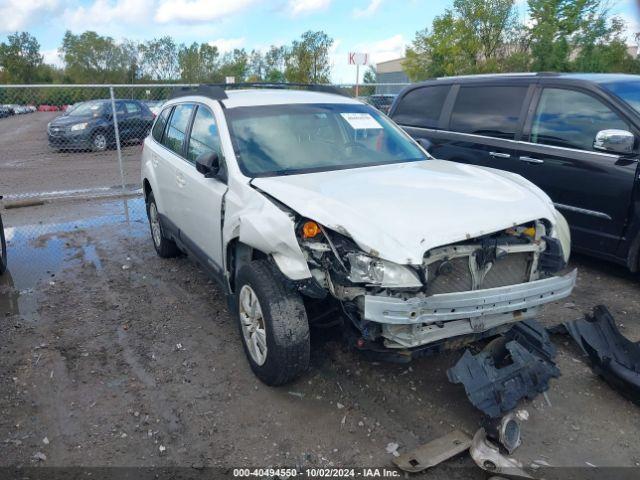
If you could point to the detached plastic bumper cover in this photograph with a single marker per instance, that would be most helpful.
(471, 304)
(518, 365)
(612, 356)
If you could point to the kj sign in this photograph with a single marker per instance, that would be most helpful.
(358, 58)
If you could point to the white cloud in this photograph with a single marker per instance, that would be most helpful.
(297, 7)
(383, 50)
(107, 12)
(193, 11)
(227, 44)
(52, 57)
(372, 8)
(19, 14)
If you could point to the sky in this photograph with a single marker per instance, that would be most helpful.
(381, 28)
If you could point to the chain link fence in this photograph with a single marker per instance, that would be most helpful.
(64, 145)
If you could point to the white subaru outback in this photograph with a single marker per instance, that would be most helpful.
(315, 208)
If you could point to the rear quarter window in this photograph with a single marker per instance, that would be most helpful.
(493, 111)
(421, 107)
(158, 127)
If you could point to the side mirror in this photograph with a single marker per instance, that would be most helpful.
(208, 164)
(424, 143)
(614, 141)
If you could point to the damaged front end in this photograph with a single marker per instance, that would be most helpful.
(461, 292)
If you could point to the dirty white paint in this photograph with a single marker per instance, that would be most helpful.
(400, 211)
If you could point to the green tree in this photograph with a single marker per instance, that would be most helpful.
(198, 62)
(20, 59)
(582, 35)
(308, 58)
(160, 59)
(234, 64)
(91, 58)
(472, 37)
(370, 76)
(275, 64)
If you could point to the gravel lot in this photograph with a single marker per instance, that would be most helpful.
(28, 165)
(113, 354)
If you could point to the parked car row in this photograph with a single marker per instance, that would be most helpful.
(90, 125)
(576, 136)
(14, 109)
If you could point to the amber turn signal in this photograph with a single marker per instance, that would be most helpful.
(310, 229)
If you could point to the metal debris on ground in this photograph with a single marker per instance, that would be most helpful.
(435, 452)
(516, 365)
(505, 431)
(488, 457)
(613, 356)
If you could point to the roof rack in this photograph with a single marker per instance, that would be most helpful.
(499, 75)
(216, 91)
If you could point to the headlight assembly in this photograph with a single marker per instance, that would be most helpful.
(375, 271)
(79, 126)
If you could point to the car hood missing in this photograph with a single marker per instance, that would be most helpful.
(398, 212)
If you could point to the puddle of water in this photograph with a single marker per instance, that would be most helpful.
(38, 251)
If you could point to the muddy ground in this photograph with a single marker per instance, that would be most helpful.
(119, 358)
(30, 166)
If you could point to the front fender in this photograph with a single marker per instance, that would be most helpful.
(260, 224)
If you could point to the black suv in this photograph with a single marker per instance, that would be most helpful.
(573, 135)
(90, 126)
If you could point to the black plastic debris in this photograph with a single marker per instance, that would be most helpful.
(613, 356)
(516, 365)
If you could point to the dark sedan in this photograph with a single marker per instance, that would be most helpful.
(90, 125)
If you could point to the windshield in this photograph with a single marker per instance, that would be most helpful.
(289, 139)
(629, 92)
(86, 109)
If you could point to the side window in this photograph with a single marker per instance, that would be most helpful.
(204, 135)
(120, 109)
(421, 107)
(158, 128)
(566, 118)
(488, 110)
(175, 135)
(132, 107)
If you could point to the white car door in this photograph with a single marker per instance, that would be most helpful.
(169, 160)
(200, 199)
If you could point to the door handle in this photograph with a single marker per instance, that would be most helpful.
(154, 160)
(180, 180)
(499, 155)
(531, 160)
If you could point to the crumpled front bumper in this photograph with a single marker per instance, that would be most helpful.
(467, 305)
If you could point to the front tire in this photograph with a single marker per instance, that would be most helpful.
(165, 248)
(273, 324)
(99, 142)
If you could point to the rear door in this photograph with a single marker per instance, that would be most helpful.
(199, 199)
(171, 159)
(592, 188)
(136, 128)
(484, 122)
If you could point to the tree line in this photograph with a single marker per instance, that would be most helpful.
(474, 36)
(91, 58)
(488, 36)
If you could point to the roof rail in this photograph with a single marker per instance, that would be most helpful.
(216, 91)
(499, 75)
(314, 87)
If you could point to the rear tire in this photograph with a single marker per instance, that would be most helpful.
(165, 248)
(280, 329)
(3, 250)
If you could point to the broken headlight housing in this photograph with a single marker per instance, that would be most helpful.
(375, 271)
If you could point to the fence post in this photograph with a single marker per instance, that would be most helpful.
(117, 132)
